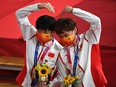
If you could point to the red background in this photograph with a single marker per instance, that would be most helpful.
(11, 43)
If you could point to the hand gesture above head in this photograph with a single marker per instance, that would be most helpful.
(46, 6)
(67, 9)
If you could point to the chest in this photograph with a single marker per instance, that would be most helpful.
(69, 55)
(41, 54)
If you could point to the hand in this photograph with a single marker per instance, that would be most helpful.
(67, 9)
(46, 6)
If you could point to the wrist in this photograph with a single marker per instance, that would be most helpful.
(39, 6)
(71, 10)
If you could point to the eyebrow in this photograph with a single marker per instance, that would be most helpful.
(64, 35)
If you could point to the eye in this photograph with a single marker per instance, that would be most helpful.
(45, 32)
(65, 35)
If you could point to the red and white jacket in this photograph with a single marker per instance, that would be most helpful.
(89, 67)
(28, 32)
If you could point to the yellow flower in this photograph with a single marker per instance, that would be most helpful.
(43, 71)
(66, 82)
(77, 77)
(65, 78)
(37, 67)
(71, 79)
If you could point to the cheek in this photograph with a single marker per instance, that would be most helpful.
(69, 39)
(74, 34)
(47, 36)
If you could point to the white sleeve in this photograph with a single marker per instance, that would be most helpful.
(94, 32)
(22, 17)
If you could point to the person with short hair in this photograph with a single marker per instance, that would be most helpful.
(80, 56)
(41, 47)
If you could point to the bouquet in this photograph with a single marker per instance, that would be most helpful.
(68, 80)
(42, 72)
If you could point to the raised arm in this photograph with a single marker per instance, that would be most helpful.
(93, 34)
(22, 17)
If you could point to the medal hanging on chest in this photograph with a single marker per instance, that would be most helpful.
(72, 79)
(40, 72)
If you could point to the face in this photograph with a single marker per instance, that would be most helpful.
(44, 36)
(68, 37)
(68, 33)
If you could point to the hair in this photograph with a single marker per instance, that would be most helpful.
(45, 22)
(64, 24)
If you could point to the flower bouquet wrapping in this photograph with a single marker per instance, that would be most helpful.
(71, 80)
(42, 73)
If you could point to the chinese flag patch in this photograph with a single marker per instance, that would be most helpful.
(51, 55)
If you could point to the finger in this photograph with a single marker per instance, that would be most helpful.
(49, 7)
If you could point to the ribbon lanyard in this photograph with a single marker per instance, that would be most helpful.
(75, 61)
(36, 58)
(36, 54)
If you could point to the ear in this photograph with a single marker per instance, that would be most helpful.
(75, 30)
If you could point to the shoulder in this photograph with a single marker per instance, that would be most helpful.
(57, 45)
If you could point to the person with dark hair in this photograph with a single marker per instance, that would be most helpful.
(79, 63)
(41, 47)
